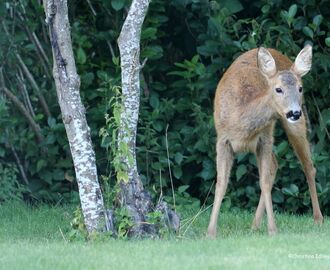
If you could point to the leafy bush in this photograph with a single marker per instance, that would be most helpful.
(189, 44)
(10, 188)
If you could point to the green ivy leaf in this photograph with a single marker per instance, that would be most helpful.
(122, 176)
(178, 158)
(183, 188)
(277, 196)
(292, 11)
(327, 41)
(149, 33)
(317, 20)
(291, 190)
(177, 171)
(154, 101)
(115, 61)
(208, 171)
(81, 56)
(58, 175)
(325, 118)
(51, 122)
(265, 9)
(117, 4)
(282, 148)
(233, 6)
(41, 164)
(308, 32)
(152, 52)
(158, 125)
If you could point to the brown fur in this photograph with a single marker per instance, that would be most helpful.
(245, 112)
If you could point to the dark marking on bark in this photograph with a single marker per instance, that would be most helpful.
(98, 195)
(67, 118)
(61, 63)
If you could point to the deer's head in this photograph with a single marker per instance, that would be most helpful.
(286, 85)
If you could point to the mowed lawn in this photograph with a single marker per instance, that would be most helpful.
(37, 238)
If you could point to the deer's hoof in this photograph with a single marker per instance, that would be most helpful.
(272, 231)
(318, 219)
(211, 234)
(255, 226)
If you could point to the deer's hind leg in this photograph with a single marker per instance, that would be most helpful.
(225, 158)
(267, 171)
(261, 205)
(297, 137)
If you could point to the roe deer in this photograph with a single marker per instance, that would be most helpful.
(260, 87)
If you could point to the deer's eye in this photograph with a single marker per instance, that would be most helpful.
(279, 90)
(300, 89)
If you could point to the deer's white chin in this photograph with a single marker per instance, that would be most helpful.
(292, 120)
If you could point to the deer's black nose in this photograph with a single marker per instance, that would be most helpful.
(297, 114)
(293, 115)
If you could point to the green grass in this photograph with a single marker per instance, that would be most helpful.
(36, 238)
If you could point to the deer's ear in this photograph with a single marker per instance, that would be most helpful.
(303, 62)
(266, 62)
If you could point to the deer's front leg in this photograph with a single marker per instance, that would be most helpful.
(297, 136)
(225, 157)
(267, 168)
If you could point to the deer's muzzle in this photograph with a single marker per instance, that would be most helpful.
(293, 115)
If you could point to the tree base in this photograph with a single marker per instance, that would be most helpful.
(139, 209)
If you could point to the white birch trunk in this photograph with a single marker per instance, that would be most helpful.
(132, 194)
(129, 46)
(73, 113)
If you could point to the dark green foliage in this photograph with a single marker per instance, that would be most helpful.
(189, 44)
(10, 188)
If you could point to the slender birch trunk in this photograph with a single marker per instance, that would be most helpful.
(132, 194)
(73, 114)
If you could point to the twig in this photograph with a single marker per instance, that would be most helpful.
(91, 7)
(169, 166)
(161, 186)
(19, 164)
(31, 79)
(44, 64)
(195, 217)
(35, 127)
(200, 211)
(29, 76)
(34, 39)
(111, 49)
(22, 6)
(62, 234)
(143, 63)
(25, 93)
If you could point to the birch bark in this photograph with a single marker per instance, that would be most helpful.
(132, 194)
(67, 84)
